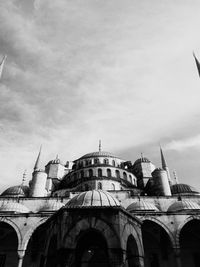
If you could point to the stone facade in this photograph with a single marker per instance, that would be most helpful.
(100, 211)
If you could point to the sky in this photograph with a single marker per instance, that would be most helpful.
(117, 70)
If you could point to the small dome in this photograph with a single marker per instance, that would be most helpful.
(13, 207)
(183, 205)
(98, 154)
(141, 160)
(52, 206)
(16, 191)
(55, 161)
(93, 198)
(141, 205)
(183, 189)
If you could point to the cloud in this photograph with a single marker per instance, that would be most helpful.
(184, 144)
(120, 71)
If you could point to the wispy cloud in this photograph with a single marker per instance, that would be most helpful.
(184, 144)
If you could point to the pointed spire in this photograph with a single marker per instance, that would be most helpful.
(99, 145)
(2, 64)
(164, 164)
(37, 163)
(163, 161)
(197, 63)
(142, 156)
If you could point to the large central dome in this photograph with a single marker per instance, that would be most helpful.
(98, 154)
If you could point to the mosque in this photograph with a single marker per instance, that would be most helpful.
(100, 210)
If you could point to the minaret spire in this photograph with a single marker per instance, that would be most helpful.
(197, 63)
(164, 164)
(38, 160)
(2, 64)
(99, 145)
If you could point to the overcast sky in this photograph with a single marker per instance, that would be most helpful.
(116, 70)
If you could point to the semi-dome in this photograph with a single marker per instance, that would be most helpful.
(183, 205)
(141, 205)
(183, 189)
(141, 160)
(16, 191)
(14, 207)
(52, 206)
(93, 198)
(98, 154)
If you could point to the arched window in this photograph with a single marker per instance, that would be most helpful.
(124, 175)
(130, 178)
(108, 172)
(117, 174)
(113, 162)
(132, 253)
(113, 186)
(99, 186)
(99, 172)
(90, 172)
(82, 174)
(106, 161)
(96, 161)
(86, 163)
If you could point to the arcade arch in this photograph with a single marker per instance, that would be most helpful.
(158, 249)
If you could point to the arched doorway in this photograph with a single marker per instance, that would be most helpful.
(91, 250)
(35, 250)
(157, 246)
(190, 244)
(8, 245)
(132, 255)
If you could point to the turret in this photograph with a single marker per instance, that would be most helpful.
(160, 183)
(39, 179)
(142, 169)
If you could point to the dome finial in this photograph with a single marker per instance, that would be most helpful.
(37, 163)
(99, 145)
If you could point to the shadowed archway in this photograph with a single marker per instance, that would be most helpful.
(157, 246)
(91, 250)
(132, 254)
(8, 245)
(190, 244)
(35, 250)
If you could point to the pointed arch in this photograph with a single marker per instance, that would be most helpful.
(15, 227)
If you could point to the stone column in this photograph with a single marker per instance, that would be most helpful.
(21, 254)
(177, 254)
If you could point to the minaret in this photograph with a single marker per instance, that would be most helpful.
(2, 65)
(164, 164)
(38, 160)
(39, 179)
